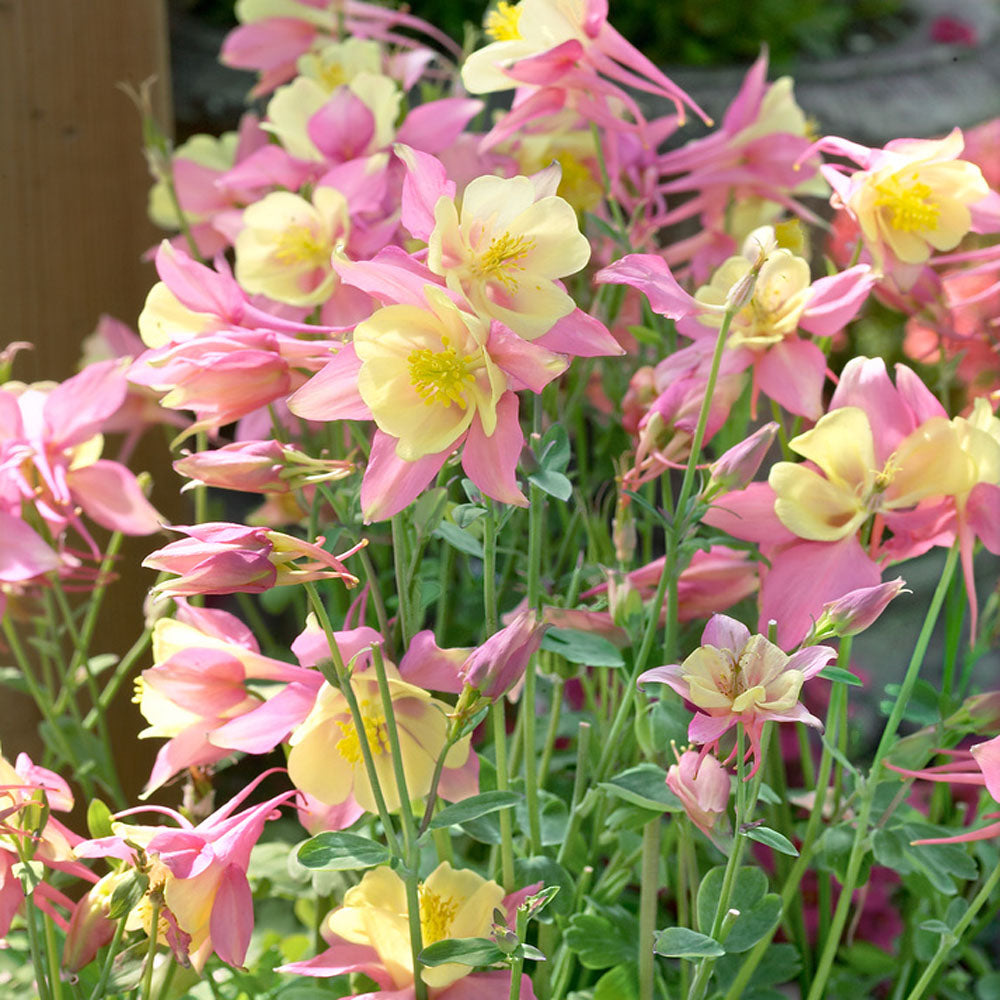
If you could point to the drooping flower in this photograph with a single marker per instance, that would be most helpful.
(702, 784)
(498, 665)
(369, 933)
(222, 558)
(198, 871)
(734, 677)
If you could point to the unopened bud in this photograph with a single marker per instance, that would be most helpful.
(856, 610)
(736, 468)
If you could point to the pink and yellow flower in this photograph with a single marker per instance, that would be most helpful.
(734, 677)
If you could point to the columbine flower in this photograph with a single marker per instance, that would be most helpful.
(326, 760)
(200, 872)
(285, 246)
(736, 677)
(370, 932)
(911, 198)
(221, 558)
(504, 250)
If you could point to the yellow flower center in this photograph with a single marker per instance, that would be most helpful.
(137, 688)
(349, 746)
(441, 376)
(504, 254)
(299, 244)
(436, 915)
(502, 22)
(332, 75)
(909, 201)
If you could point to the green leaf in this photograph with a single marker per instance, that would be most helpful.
(127, 894)
(98, 819)
(473, 808)
(644, 785)
(429, 509)
(459, 539)
(337, 851)
(582, 647)
(467, 951)
(603, 939)
(751, 925)
(840, 675)
(465, 513)
(988, 987)
(780, 964)
(776, 841)
(485, 829)
(553, 450)
(553, 817)
(619, 983)
(749, 888)
(529, 951)
(553, 483)
(646, 335)
(553, 876)
(682, 942)
(935, 927)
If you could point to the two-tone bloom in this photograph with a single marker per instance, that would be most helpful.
(734, 677)
(369, 933)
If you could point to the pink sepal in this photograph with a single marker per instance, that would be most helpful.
(425, 182)
(392, 276)
(24, 553)
(429, 666)
(651, 275)
(491, 462)
(231, 923)
(724, 632)
(581, 335)
(435, 126)
(390, 483)
(332, 393)
(835, 301)
(529, 365)
(792, 373)
(110, 494)
(749, 514)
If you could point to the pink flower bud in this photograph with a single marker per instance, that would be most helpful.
(857, 609)
(90, 927)
(499, 664)
(222, 558)
(735, 468)
(702, 784)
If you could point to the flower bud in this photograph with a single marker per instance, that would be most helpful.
(702, 784)
(499, 664)
(736, 468)
(857, 609)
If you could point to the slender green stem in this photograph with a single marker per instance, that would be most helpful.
(949, 942)
(579, 787)
(403, 583)
(498, 716)
(375, 592)
(99, 990)
(338, 677)
(118, 677)
(147, 972)
(168, 977)
(858, 848)
(411, 871)
(517, 965)
(52, 952)
(649, 888)
(555, 715)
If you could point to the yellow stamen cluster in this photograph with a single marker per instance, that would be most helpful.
(349, 746)
(436, 915)
(502, 22)
(504, 254)
(910, 203)
(440, 376)
(299, 243)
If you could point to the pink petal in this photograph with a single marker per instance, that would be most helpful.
(434, 126)
(23, 554)
(343, 127)
(332, 393)
(429, 666)
(425, 182)
(110, 494)
(982, 513)
(749, 514)
(75, 410)
(231, 923)
(390, 483)
(392, 276)
(705, 729)
(531, 366)
(261, 730)
(835, 301)
(724, 632)
(987, 756)
(651, 275)
(746, 104)
(582, 336)
(806, 575)
(491, 462)
(792, 373)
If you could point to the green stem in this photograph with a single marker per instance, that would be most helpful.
(340, 678)
(147, 972)
(950, 941)
(858, 848)
(399, 556)
(121, 672)
(52, 953)
(498, 716)
(375, 592)
(99, 990)
(649, 887)
(517, 964)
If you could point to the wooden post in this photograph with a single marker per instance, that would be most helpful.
(73, 190)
